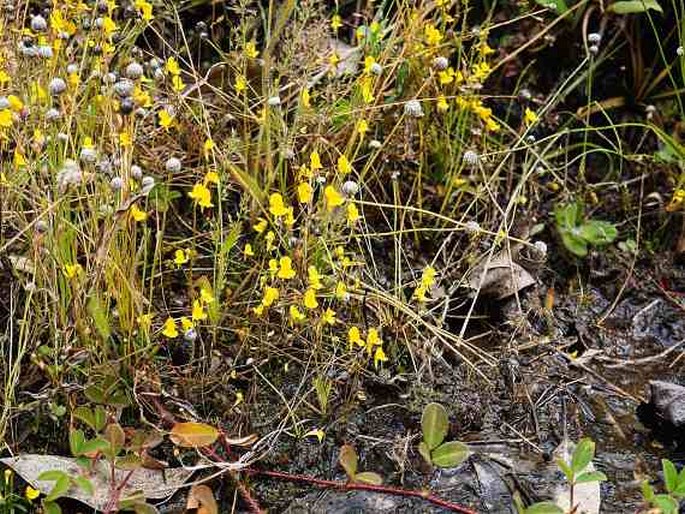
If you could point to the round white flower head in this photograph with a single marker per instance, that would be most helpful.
(350, 188)
(116, 183)
(38, 24)
(147, 184)
(471, 158)
(680, 51)
(72, 68)
(4, 103)
(88, 155)
(173, 165)
(134, 71)
(594, 38)
(413, 109)
(57, 86)
(123, 88)
(45, 51)
(136, 172)
(274, 101)
(376, 69)
(190, 335)
(441, 63)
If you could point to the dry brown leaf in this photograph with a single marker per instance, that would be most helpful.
(193, 435)
(243, 442)
(201, 498)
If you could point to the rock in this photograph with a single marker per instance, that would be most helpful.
(669, 401)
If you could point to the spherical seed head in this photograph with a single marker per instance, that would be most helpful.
(441, 63)
(45, 51)
(147, 184)
(72, 68)
(4, 103)
(472, 227)
(116, 183)
(134, 71)
(413, 109)
(136, 172)
(350, 188)
(594, 38)
(471, 158)
(158, 74)
(104, 166)
(541, 247)
(124, 88)
(375, 144)
(109, 78)
(154, 63)
(274, 101)
(57, 86)
(376, 69)
(594, 49)
(88, 155)
(173, 165)
(680, 51)
(190, 335)
(41, 226)
(38, 24)
(126, 106)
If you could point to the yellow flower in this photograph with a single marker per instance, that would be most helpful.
(333, 60)
(172, 66)
(251, 50)
(354, 337)
(198, 311)
(372, 339)
(366, 87)
(108, 26)
(18, 159)
(315, 161)
(208, 145)
(530, 117)
(31, 493)
(211, 177)
(306, 98)
(138, 214)
(125, 139)
(352, 214)
(295, 314)
(481, 71)
(259, 310)
(314, 277)
(5, 118)
(276, 205)
(169, 329)
(344, 166)
(310, 299)
(72, 270)
(144, 321)
(428, 276)
(15, 103)
(273, 267)
(484, 50)
(492, 125)
(165, 119)
(206, 295)
(328, 317)
(333, 198)
(362, 127)
(305, 192)
(180, 257)
(271, 294)
(260, 226)
(201, 195)
(270, 238)
(145, 9)
(369, 61)
(442, 104)
(433, 35)
(340, 290)
(177, 83)
(240, 84)
(186, 324)
(286, 270)
(379, 356)
(336, 22)
(247, 251)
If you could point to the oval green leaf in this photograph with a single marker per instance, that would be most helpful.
(434, 425)
(368, 477)
(348, 460)
(450, 454)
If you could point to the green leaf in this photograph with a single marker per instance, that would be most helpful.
(591, 476)
(348, 460)
(425, 452)
(144, 508)
(116, 437)
(598, 232)
(679, 491)
(582, 455)
(565, 469)
(62, 485)
(86, 415)
(573, 243)
(666, 503)
(634, 6)
(434, 425)
(450, 454)
(100, 317)
(129, 461)
(76, 440)
(94, 446)
(100, 417)
(52, 475)
(670, 475)
(85, 485)
(558, 6)
(569, 215)
(51, 508)
(544, 508)
(647, 491)
(368, 477)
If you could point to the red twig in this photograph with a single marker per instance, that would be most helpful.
(348, 486)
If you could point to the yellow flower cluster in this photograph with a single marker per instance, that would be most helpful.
(373, 343)
(427, 282)
(198, 313)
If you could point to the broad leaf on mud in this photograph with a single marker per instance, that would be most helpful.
(544, 508)
(582, 455)
(670, 474)
(591, 476)
(425, 452)
(598, 232)
(634, 6)
(348, 460)
(573, 243)
(434, 425)
(450, 454)
(666, 503)
(193, 435)
(368, 477)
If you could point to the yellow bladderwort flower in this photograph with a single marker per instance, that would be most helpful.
(198, 312)
(491, 125)
(428, 276)
(251, 50)
(352, 214)
(165, 119)
(314, 278)
(31, 493)
(270, 238)
(306, 98)
(481, 71)
(366, 88)
(271, 294)
(354, 337)
(530, 118)
(208, 145)
(186, 324)
(261, 225)
(332, 198)
(201, 195)
(138, 214)
(296, 314)
(171, 66)
(362, 127)
(344, 166)
(145, 9)
(72, 270)
(180, 257)
(144, 321)
(211, 177)
(5, 118)
(18, 159)
(433, 35)
(259, 309)
(277, 206)
(15, 103)
(379, 356)
(305, 192)
(177, 83)
(328, 317)
(315, 161)
(125, 139)
(169, 330)
(206, 295)
(273, 267)
(285, 270)
(248, 251)
(240, 83)
(442, 104)
(484, 50)
(369, 61)
(310, 299)
(336, 22)
(372, 339)
(333, 61)
(340, 290)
